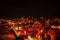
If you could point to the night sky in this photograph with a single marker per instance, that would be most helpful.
(29, 8)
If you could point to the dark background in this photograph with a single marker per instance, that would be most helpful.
(13, 8)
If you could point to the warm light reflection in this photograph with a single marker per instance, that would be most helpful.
(33, 28)
(59, 27)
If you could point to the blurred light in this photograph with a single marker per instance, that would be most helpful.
(19, 22)
(53, 27)
(16, 28)
(20, 28)
(59, 27)
(25, 32)
(30, 38)
(12, 23)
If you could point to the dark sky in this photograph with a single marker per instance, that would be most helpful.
(29, 8)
